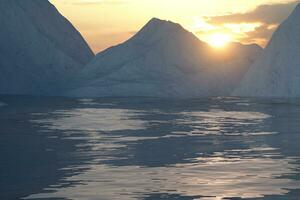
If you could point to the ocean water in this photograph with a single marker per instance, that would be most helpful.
(149, 149)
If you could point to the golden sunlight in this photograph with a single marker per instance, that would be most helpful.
(219, 40)
(106, 23)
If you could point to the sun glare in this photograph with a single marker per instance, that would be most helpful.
(219, 40)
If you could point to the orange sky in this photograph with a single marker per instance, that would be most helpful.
(104, 23)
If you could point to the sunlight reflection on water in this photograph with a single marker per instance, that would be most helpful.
(238, 163)
(89, 119)
(218, 177)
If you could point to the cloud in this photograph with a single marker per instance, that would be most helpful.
(268, 14)
(266, 17)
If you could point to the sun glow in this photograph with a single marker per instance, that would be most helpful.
(219, 40)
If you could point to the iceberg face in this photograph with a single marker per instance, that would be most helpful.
(277, 72)
(164, 60)
(39, 49)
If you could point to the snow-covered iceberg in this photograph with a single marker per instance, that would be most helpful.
(277, 72)
(39, 49)
(165, 60)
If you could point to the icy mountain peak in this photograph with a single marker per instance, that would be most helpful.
(297, 10)
(294, 17)
(164, 60)
(287, 34)
(157, 29)
(40, 50)
(159, 23)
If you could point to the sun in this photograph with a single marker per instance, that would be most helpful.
(219, 40)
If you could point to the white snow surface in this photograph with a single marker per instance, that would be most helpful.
(165, 60)
(277, 72)
(39, 48)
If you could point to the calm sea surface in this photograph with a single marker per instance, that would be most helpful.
(149, 149)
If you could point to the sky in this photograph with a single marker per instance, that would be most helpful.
(105, 23)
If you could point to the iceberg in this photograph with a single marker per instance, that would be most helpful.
(40, 50)
(164, 60)
(277, 72)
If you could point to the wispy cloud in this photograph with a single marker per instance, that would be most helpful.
(255, 26)
(269, 14)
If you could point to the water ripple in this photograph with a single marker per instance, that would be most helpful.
(203, 154)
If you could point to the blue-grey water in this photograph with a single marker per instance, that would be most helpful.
(149, 149)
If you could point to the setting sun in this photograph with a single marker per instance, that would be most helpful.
(106, 23)
(149, 99)
(219, 40)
